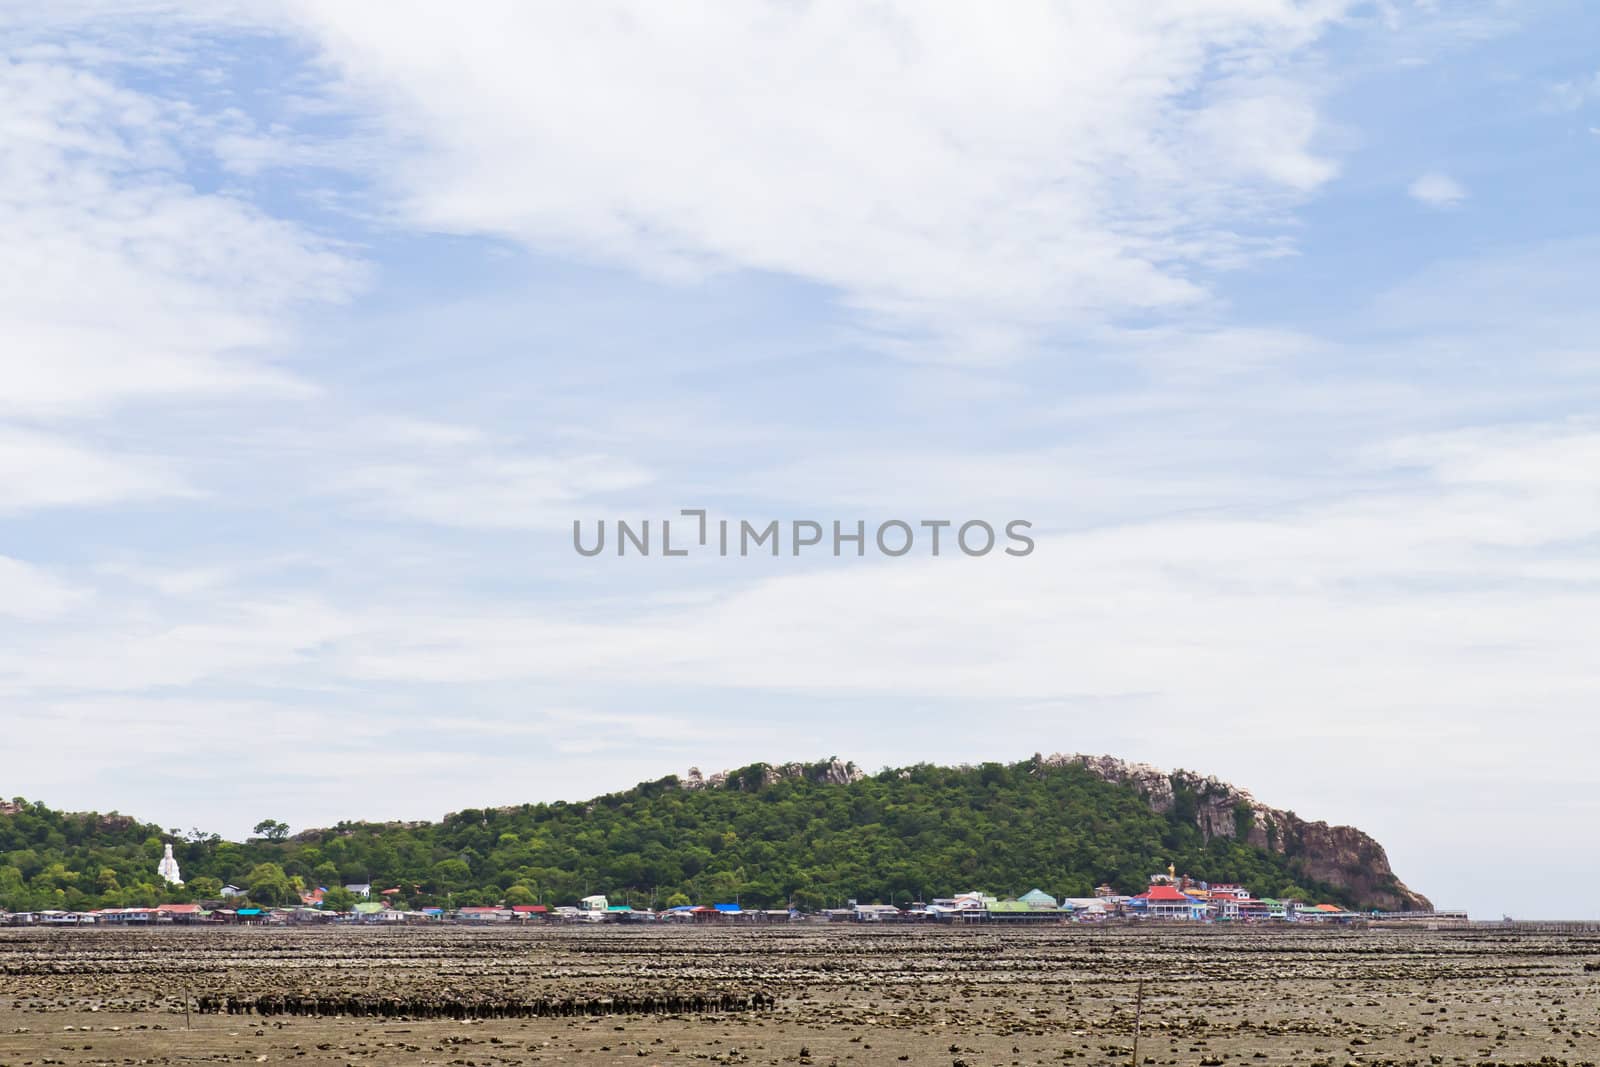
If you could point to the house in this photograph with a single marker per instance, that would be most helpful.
(179, 913)
(66, 918)
(875, 913)
(1039, 900)
(231, 890)
(360, 889)
(1088, 909)
(1250, 909)
(484, 914)
(1166, 902)
(962, 907)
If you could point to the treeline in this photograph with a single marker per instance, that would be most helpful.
(903, 834)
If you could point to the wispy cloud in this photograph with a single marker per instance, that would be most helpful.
(955, 178)
(1437, 190)
(328, 354)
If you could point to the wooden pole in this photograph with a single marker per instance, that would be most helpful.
(186, 1007)
(1138, 1018)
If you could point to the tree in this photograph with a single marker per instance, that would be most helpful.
(925, 831)
(269, 885)
(272, 829)
(520, 894)
(338, 899)
(451, 874)
(206, 887)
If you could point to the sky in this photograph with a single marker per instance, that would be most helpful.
(320, 324)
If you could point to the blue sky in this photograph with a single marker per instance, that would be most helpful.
(323, 322)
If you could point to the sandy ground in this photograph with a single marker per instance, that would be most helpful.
(842, 995)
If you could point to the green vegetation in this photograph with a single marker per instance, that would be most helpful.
(900, 835)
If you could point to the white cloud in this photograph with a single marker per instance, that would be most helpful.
(39, 470)
(121, 283)
(951, 173)
(26, 592)
(118, 280)
(451, 475)
(1437, 190)
(1574, 94)
(984, 181)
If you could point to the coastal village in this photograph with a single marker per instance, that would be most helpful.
(1168, 898)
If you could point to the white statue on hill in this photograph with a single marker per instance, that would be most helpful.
(169, 868)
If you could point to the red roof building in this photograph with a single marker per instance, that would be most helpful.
(1163, 893)
(1165, 902)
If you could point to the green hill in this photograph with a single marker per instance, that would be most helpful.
(764, 835)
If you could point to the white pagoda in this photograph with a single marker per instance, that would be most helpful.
(169, 868)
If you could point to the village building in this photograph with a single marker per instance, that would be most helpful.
(1166, 902)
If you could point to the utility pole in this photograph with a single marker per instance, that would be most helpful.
(1138, 1017)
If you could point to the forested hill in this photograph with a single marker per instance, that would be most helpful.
(813, 834)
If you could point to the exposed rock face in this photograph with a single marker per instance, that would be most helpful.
(829, 772)
(1339, 855)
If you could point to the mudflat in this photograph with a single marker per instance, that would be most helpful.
(798, 994)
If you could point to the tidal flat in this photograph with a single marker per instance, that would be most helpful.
(799, 994)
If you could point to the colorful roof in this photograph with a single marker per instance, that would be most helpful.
(1165, 894)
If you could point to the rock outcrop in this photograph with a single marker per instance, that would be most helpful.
(828, 772)
(1338, 855)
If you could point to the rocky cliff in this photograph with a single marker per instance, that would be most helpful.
(829, 772)
(1338, 855)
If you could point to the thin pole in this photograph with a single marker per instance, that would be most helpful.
(186, 1007)
(1138, 1017)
